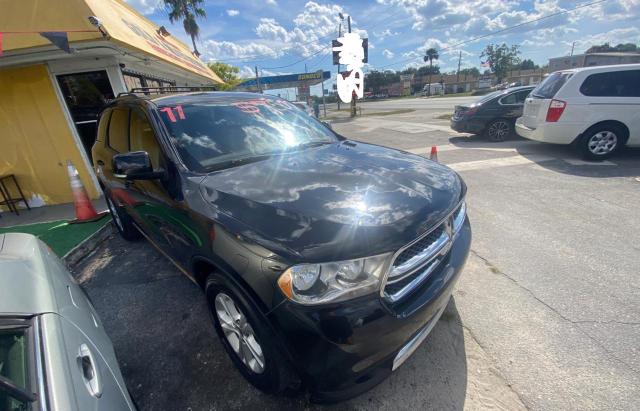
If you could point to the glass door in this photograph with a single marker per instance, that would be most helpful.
(85, 95)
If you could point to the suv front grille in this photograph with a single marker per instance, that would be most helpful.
(415, 262)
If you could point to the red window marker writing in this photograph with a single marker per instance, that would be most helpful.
(181, 115)
(169, 113)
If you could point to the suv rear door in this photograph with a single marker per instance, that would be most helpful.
(537, 104)
(614, 95)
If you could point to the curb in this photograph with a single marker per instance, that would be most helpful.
(89, 244)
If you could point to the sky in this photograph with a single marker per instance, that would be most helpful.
(282, 36)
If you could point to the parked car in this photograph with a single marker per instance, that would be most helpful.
(54, 351)
(492, 115)
(595, 108)
(325, 261)
(305, 107)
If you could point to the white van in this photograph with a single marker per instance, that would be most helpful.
(595, 108)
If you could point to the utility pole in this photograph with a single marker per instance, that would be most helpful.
(458, 73)
(572, 46)
(258, 80)
(305, 67)
(339, 34)
(353, 99)
(324, 103)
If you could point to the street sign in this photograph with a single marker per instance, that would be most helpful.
(336, 54)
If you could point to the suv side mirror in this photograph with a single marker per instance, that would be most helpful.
(135, 165)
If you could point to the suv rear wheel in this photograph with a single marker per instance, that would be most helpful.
(600, 142)
(247, 338)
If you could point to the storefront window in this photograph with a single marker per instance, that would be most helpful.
(85, 95)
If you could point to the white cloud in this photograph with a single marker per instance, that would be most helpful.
(272, 2)
(388, 53)
(613, 37)
(232, 12)
(222, 50)
(144, 6)
(385, 33)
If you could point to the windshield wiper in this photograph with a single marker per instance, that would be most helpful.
(307, 145)
(238, 162)
(15, 391)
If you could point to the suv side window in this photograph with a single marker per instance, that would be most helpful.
(612, 84)
(118, 130)
(142, 137)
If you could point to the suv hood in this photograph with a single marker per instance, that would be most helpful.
(337, 201)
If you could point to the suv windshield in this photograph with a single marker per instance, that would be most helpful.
(550, 86)
(215, 134)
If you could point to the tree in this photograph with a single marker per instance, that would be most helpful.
(606, 48)
(430, 55)
(528, 64)
(427, 71)
(378, 79)
(501, 58)
(470, 72)
(187, 11)
(227, 73)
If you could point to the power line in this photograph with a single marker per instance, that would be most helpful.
(503, 30)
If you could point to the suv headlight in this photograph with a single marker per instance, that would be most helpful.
(311, 284)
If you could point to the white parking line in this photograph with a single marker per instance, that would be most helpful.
(533, 159)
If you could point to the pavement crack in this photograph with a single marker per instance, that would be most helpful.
(610, 354)
(499, 373)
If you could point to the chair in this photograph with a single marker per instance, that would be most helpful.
(7, 199)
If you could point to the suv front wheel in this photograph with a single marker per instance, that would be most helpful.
(122, 221)
(247, 338)
(600, 142)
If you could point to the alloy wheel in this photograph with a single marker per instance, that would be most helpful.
(239, 333)
(602, 142)
(498, 131)
(114, 213)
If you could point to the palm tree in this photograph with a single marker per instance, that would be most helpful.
(432, 54)
(187, 11)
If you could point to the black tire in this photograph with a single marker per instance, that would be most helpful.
(498, 130)
(601, 141)
(122, 221)
(276, 376)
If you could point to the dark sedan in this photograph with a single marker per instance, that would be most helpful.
(325, 261)
(493, 115)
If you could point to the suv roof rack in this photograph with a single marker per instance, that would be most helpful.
(165, 90)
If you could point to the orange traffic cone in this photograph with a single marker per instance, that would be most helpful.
(434, 154)
(84, 209)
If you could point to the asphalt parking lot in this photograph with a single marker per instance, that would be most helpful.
(545, 316)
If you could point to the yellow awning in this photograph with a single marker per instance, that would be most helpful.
(21, 20)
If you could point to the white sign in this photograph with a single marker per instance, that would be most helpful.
(351, 54)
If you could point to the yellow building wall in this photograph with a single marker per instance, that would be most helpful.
(35, 138)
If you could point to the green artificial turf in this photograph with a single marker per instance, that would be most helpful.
(59, 235)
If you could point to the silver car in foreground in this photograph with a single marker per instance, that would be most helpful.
(54, 352)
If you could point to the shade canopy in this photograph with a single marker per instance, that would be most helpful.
(22, 21)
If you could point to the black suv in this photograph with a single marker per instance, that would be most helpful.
(325, 261)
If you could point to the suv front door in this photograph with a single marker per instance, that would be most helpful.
(162, 213)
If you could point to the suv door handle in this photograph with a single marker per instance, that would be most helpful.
(90, 373)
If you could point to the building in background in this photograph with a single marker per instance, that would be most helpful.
(592, 59)
(52, 94)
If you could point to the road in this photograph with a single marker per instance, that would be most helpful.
(419, 103)
(544, 317)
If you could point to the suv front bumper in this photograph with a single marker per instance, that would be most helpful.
(344, 349)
